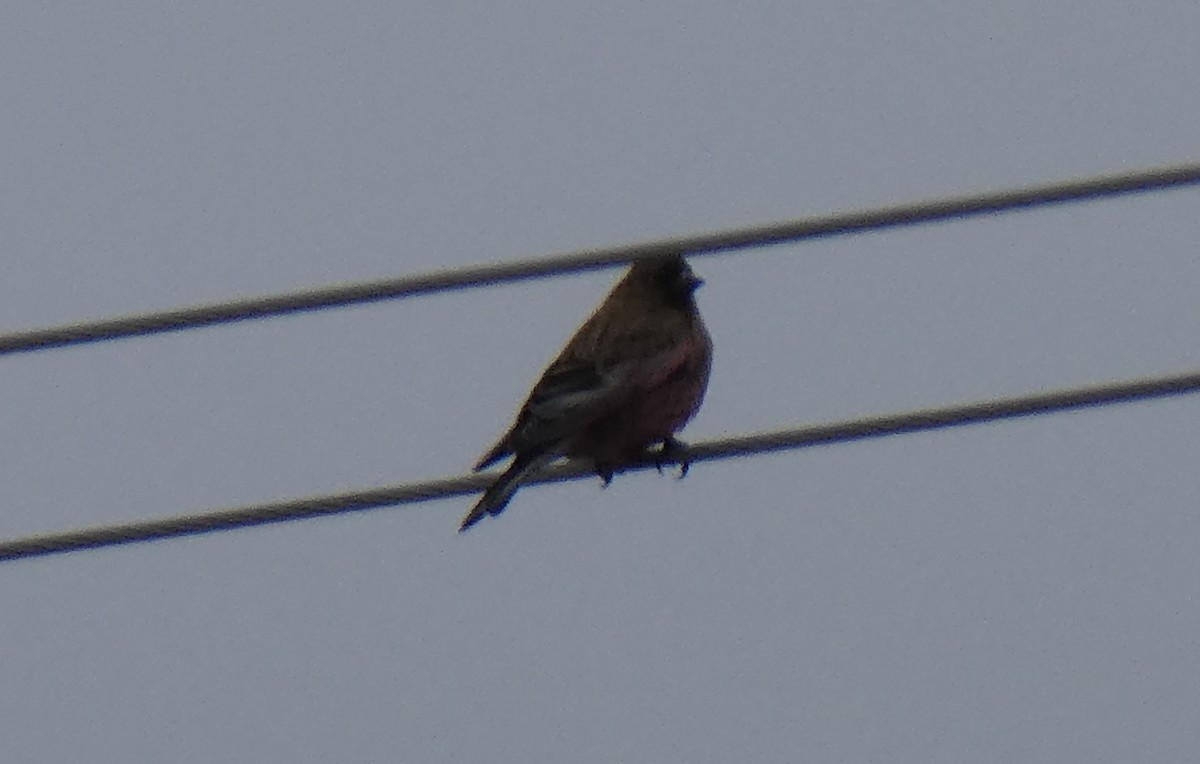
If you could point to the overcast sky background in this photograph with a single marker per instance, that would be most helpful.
(1022, 591)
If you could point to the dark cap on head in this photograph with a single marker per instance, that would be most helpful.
(670, 274)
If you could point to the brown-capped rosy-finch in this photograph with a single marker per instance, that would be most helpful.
(630, 378)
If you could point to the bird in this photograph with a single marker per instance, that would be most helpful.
(630, 377)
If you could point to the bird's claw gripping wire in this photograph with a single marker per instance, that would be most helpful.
(672, 452)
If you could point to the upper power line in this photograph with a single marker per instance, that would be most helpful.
(947, 208)
(747, 445)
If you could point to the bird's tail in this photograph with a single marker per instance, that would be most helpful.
(499, 493)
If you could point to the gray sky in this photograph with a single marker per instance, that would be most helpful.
(1017, 592)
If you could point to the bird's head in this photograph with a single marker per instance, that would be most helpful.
(669, 277)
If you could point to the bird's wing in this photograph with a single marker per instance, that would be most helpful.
(570, 396)
(593, 376)
(566, 387)
(567, 398)
(567, 393)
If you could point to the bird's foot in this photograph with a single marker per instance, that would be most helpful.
(672, 452)
(605, 473)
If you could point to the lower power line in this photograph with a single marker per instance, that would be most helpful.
(746, 445)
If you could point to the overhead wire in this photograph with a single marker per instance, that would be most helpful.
(1110, 393)
(877, 218)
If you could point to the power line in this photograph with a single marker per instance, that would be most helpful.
(943, 209)
(746, 445)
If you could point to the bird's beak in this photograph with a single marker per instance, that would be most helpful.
(694, 282)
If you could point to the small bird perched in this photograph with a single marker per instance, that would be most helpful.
(631, 377)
